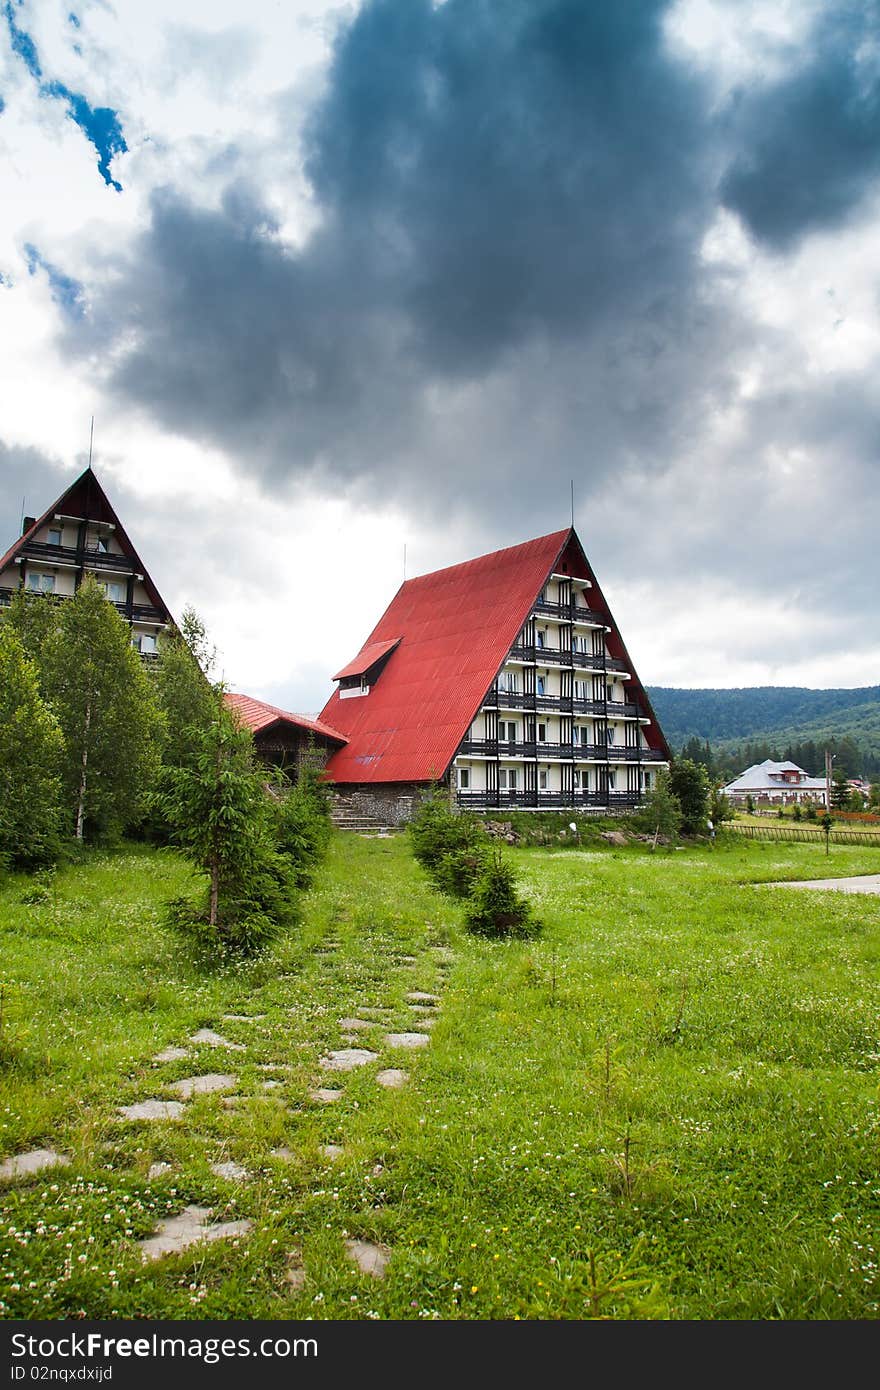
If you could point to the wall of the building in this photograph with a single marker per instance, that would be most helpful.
(392, 803)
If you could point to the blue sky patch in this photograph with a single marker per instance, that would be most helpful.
(99, 124)
(66, 292)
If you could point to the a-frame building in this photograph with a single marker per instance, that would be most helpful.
(81, 534)
(504, 678)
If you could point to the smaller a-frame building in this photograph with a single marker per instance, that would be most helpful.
(504, 678)
(81, 534)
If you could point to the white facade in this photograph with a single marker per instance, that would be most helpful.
(558, 728)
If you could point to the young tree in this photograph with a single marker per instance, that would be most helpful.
(720, 807)
(660, 812)
(688, 781)
(95, 684)
(30, 756)
(34, 617)
(840, 790)
(493, 906)
(183, 687)
(221, 817)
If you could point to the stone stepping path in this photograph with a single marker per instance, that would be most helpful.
(202, 1085)
(407, 1039)
(286, 1154)
(325, 1095)
(22, 1165)
(357, 1025)
(295, 1275)
(189, 1228)
(418, 996)
(152, 1110)
(211, 1039)
(242, 1018)
(331, 1150)
(171, 1054)
(392, 1078)
(369, 1258)
(347, 1059)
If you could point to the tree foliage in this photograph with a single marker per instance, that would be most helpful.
(183, 687)
(452, 848)
(94, 682)
(660, 812)
(689, 783)
(31, 747)
(494, 908)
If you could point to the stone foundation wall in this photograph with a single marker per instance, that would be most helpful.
(393, 803)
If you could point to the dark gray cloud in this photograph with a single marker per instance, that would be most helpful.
(809, 145)
(502, 187)
(506, 289)
(30, 483)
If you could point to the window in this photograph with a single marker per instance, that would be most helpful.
(114, 591)
(609, 692)
(577, 778)
(647, 781)
(41, 583)
(542, 781)
(506, 731)
(583, 736)
(542, 733)
(507, 779)
(541, 685)
(144, 642)
(540, 639)
(464, 778)
(609, 735)
(507, 682)
(54, 537)
(581, 690)
(611, 776)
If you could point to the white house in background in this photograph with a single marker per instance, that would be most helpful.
(780, 783)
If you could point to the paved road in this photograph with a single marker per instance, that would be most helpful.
(865, 883)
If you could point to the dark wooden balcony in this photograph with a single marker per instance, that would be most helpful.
(72, 555)
(547, 801)
(569, 612)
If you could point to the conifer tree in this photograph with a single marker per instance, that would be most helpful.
(30, 757)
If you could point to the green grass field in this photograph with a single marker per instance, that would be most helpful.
(664, 1107)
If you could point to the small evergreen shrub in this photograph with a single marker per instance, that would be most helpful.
(494, 908)
(302, 826)
(451, 848)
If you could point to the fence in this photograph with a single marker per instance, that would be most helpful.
(840, 836)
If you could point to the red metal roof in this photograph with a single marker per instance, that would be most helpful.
(257, 715)
(457, 626)
(366, 657)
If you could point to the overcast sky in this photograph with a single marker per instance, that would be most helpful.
(345, 283)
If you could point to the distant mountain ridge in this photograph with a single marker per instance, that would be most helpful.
(778, 714)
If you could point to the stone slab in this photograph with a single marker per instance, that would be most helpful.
(209, 1038)
(171, 1054)
(325, 1095)
(203, 1085)
(418, 996)
(152, 1110)
(287, 1154)
(863, 883)
(408, 1040)
(242, 1018)
(347, 1059)
(232, 1172)
(356, 1025)
(34, 1161)
(369, 1257)
(392, 1078)
(189, 1228)
(331, 1150)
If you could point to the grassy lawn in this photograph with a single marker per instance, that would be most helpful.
(666, 1106)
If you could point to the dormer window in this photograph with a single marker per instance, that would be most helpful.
(54, 536)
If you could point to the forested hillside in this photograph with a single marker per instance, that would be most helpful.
(750, 724)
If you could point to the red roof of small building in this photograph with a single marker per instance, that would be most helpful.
(366, 657)
(257, 715)
(457, 627)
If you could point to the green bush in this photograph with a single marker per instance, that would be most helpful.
(302, 826)
(494, 907)
(451, 848)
